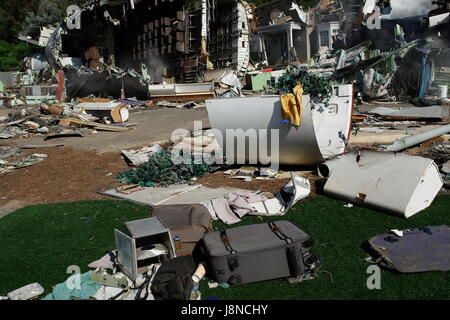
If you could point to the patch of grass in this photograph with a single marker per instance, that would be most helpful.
(39, 243)
(339, 233)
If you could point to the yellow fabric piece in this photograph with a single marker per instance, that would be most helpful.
(291, 106)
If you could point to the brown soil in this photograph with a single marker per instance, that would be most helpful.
(66, 175)
(70, 174)
(218, 179)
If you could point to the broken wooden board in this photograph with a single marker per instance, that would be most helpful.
(67, 134)
(90, 124)
(129, 188)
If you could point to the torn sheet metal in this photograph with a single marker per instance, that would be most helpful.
(439, 19)
(231, 208)
(322, 134)
(297, 189)
(226, 78)
(394, 183)
(162, 90)
(417, 250)
(375, 85)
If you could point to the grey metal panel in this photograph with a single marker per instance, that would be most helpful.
(321, 134)
(418, 250)
(126, 246)
(389, 182)
(145, 227)
(157, 90)
(175, 194)
(194, 87)
(296, 145)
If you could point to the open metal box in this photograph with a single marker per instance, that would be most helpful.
(142, 236)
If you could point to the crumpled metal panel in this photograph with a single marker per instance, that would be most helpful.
(417, 250)
(393, 183)
(321, 135)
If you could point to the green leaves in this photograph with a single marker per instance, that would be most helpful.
(313, 85)
(11, 55)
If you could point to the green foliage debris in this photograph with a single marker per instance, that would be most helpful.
(314, 85)
(161, 170)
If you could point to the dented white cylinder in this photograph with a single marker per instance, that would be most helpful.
(321, 135)
(324, 169)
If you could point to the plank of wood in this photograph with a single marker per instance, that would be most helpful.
(36, 146)
(95, 125)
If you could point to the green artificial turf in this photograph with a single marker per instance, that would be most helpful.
(39, 243)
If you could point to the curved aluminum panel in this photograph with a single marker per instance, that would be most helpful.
(319, 136)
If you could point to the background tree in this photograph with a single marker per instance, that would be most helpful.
(19, 15)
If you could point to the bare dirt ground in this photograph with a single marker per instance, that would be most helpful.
(153, 124)
(83, 165)
(218, 179)
(77, 170)
(67, 175)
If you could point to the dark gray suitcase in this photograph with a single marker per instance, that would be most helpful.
(258, 252)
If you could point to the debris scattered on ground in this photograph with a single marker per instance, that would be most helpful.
(161, 170)
(310, 99)
(6, 166)
(231, 208)
(141, 156)
(28, 292)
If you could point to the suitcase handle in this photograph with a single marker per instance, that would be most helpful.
(226, 242)
(232, 261)
(291, 252)
(292, 258)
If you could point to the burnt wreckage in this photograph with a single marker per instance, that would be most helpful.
(151, 41)
(148, 48)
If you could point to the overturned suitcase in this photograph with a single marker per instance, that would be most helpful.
(258, 252)
(188, 223)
